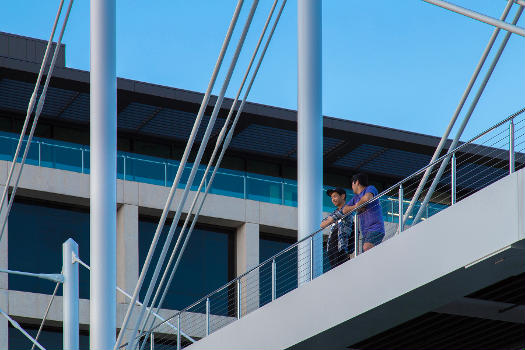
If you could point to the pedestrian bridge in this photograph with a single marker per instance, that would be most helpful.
(471, 245)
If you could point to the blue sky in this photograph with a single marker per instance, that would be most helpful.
(401, 64)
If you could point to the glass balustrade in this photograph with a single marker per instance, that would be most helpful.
(162, 172)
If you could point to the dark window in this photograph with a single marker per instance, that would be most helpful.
(286, 266)
(50, 338)
(206, 264)
(36, 233)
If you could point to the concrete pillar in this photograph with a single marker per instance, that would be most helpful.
(247, 256)
(127, 249)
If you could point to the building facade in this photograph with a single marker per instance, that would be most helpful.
(250, 214)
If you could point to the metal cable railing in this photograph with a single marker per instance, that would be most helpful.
(491, 155)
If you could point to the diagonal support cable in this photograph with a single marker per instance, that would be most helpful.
(467, 117)
(76, 259)
(182, 165)
(218, 142)
(30, 107)
(462, 101)
(194, 169)
(45, 314)
(17, 326)
(511, 28)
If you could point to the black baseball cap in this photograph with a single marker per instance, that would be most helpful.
(339, 190)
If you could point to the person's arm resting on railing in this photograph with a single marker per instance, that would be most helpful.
(348, 208)
(330, 219)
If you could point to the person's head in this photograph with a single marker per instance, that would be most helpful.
(359, 182)
(338, 196)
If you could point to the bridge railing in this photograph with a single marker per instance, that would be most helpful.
(492, 155)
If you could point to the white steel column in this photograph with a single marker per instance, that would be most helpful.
(70, 295)
(309, 130)
(103, 185)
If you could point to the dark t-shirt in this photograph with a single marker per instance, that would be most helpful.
(371, 218)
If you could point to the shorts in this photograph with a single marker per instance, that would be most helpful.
(373, 237)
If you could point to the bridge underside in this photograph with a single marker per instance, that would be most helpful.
(448, 281)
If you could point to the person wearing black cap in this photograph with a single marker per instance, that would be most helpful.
(340, 241)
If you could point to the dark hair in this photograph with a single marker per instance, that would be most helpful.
(362, 178)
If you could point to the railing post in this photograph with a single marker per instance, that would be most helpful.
(239, 299)
(356, 234)
(511, 147)
(274, 280)
(178, 332)
(124, 166)
(401, 223)
(453, 179)
(207, 316)
(151, 341)
(39, 153)
(70, 296)
(282, 192)
(244, 185)
(165, 174)
(311, 258)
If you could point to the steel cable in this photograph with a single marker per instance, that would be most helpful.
(219, 141)
(466, 93)
(180, 170)
(471, 110)
(45, 314)
(196, 164)
(30, 107)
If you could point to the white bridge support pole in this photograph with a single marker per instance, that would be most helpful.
(309, 134)
(103, 178)
(70, 295)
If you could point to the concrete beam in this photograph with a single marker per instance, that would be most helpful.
(73, 188)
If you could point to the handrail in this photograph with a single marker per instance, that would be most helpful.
(354, 210)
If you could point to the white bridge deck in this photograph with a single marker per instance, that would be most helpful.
(462, 249)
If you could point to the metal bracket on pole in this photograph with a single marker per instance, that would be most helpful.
(70, 296)
(55, 277)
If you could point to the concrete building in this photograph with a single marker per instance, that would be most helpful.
(250, 215)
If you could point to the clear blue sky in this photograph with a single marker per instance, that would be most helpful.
(401, 64)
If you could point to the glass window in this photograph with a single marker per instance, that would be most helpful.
(36, 233)
(50, 338)
(206, 265)
(286, 266)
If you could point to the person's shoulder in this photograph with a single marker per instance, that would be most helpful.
(372, 189)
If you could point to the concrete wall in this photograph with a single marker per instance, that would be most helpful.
(475, 243)
(245, 217)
